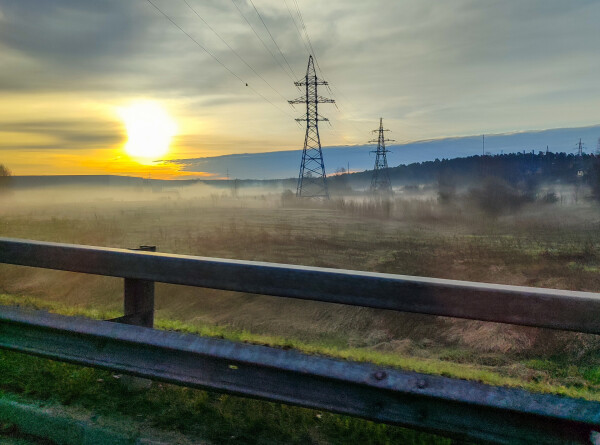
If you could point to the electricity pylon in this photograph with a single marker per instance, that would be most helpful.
(580, 148)
(579, 162)
(380, 182)
(312, 180)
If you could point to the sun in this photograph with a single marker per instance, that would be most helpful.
(149, 130)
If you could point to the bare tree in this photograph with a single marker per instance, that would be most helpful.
(5, 175)
(4, 171)
(595, 174)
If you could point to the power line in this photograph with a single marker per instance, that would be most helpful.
(215, 57)
(233, 50)
(296, 26)
(308, 38)
(308, 51)
(251, 68)
(311, 50)
(195, 41)
(262, 41)
(273, 39)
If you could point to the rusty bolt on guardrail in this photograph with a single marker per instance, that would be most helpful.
(380, 375)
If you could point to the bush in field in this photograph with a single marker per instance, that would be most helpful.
(529, 186)
(550, 197)
(496, 197)
(594, 177)
(446, 187)
(374, 207)
(287, 197)
(339, 182)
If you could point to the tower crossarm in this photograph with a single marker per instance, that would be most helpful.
(324, 100)
(376, 141)
(317, 119)
(310, 81)
(300, 100)
(318, 99)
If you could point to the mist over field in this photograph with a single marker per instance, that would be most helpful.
(532, 240)
(509, 227)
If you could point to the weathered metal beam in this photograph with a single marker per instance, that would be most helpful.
(547, 308)
(138, 303)
(459, 408)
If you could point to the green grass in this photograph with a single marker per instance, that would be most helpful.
(199, 414)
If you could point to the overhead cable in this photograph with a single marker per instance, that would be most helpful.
(233, 50)
(217, 59)
(262, 41)
(273, 39)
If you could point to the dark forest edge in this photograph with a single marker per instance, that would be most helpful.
(515, 168)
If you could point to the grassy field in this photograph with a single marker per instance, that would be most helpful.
(198, 415)
(546, 245)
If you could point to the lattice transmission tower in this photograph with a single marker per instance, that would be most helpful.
(312, 180)
(580, 148)
(380, 182)
(579, 163)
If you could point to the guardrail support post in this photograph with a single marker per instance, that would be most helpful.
(139, 299)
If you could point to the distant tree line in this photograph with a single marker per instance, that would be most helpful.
(514, 168)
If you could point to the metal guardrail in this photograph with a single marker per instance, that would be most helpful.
(453, 407)
(546, 308)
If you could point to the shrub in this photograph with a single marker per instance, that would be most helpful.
(496, 197)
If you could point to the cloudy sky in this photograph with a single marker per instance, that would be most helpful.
(430, 68)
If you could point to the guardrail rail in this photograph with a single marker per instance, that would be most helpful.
(453, 407)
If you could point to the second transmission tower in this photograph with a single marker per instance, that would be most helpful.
(579, 162)
(380, 182)
(312, 180)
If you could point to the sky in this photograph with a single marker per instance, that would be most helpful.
(431, 69)
(358, 158)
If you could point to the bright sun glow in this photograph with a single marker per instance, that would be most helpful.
(149, 130)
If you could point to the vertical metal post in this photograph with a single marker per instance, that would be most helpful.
(139, 299)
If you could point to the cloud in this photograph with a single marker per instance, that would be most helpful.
(64, 134)
(285, 164)
(430, 68)
(106, 45)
